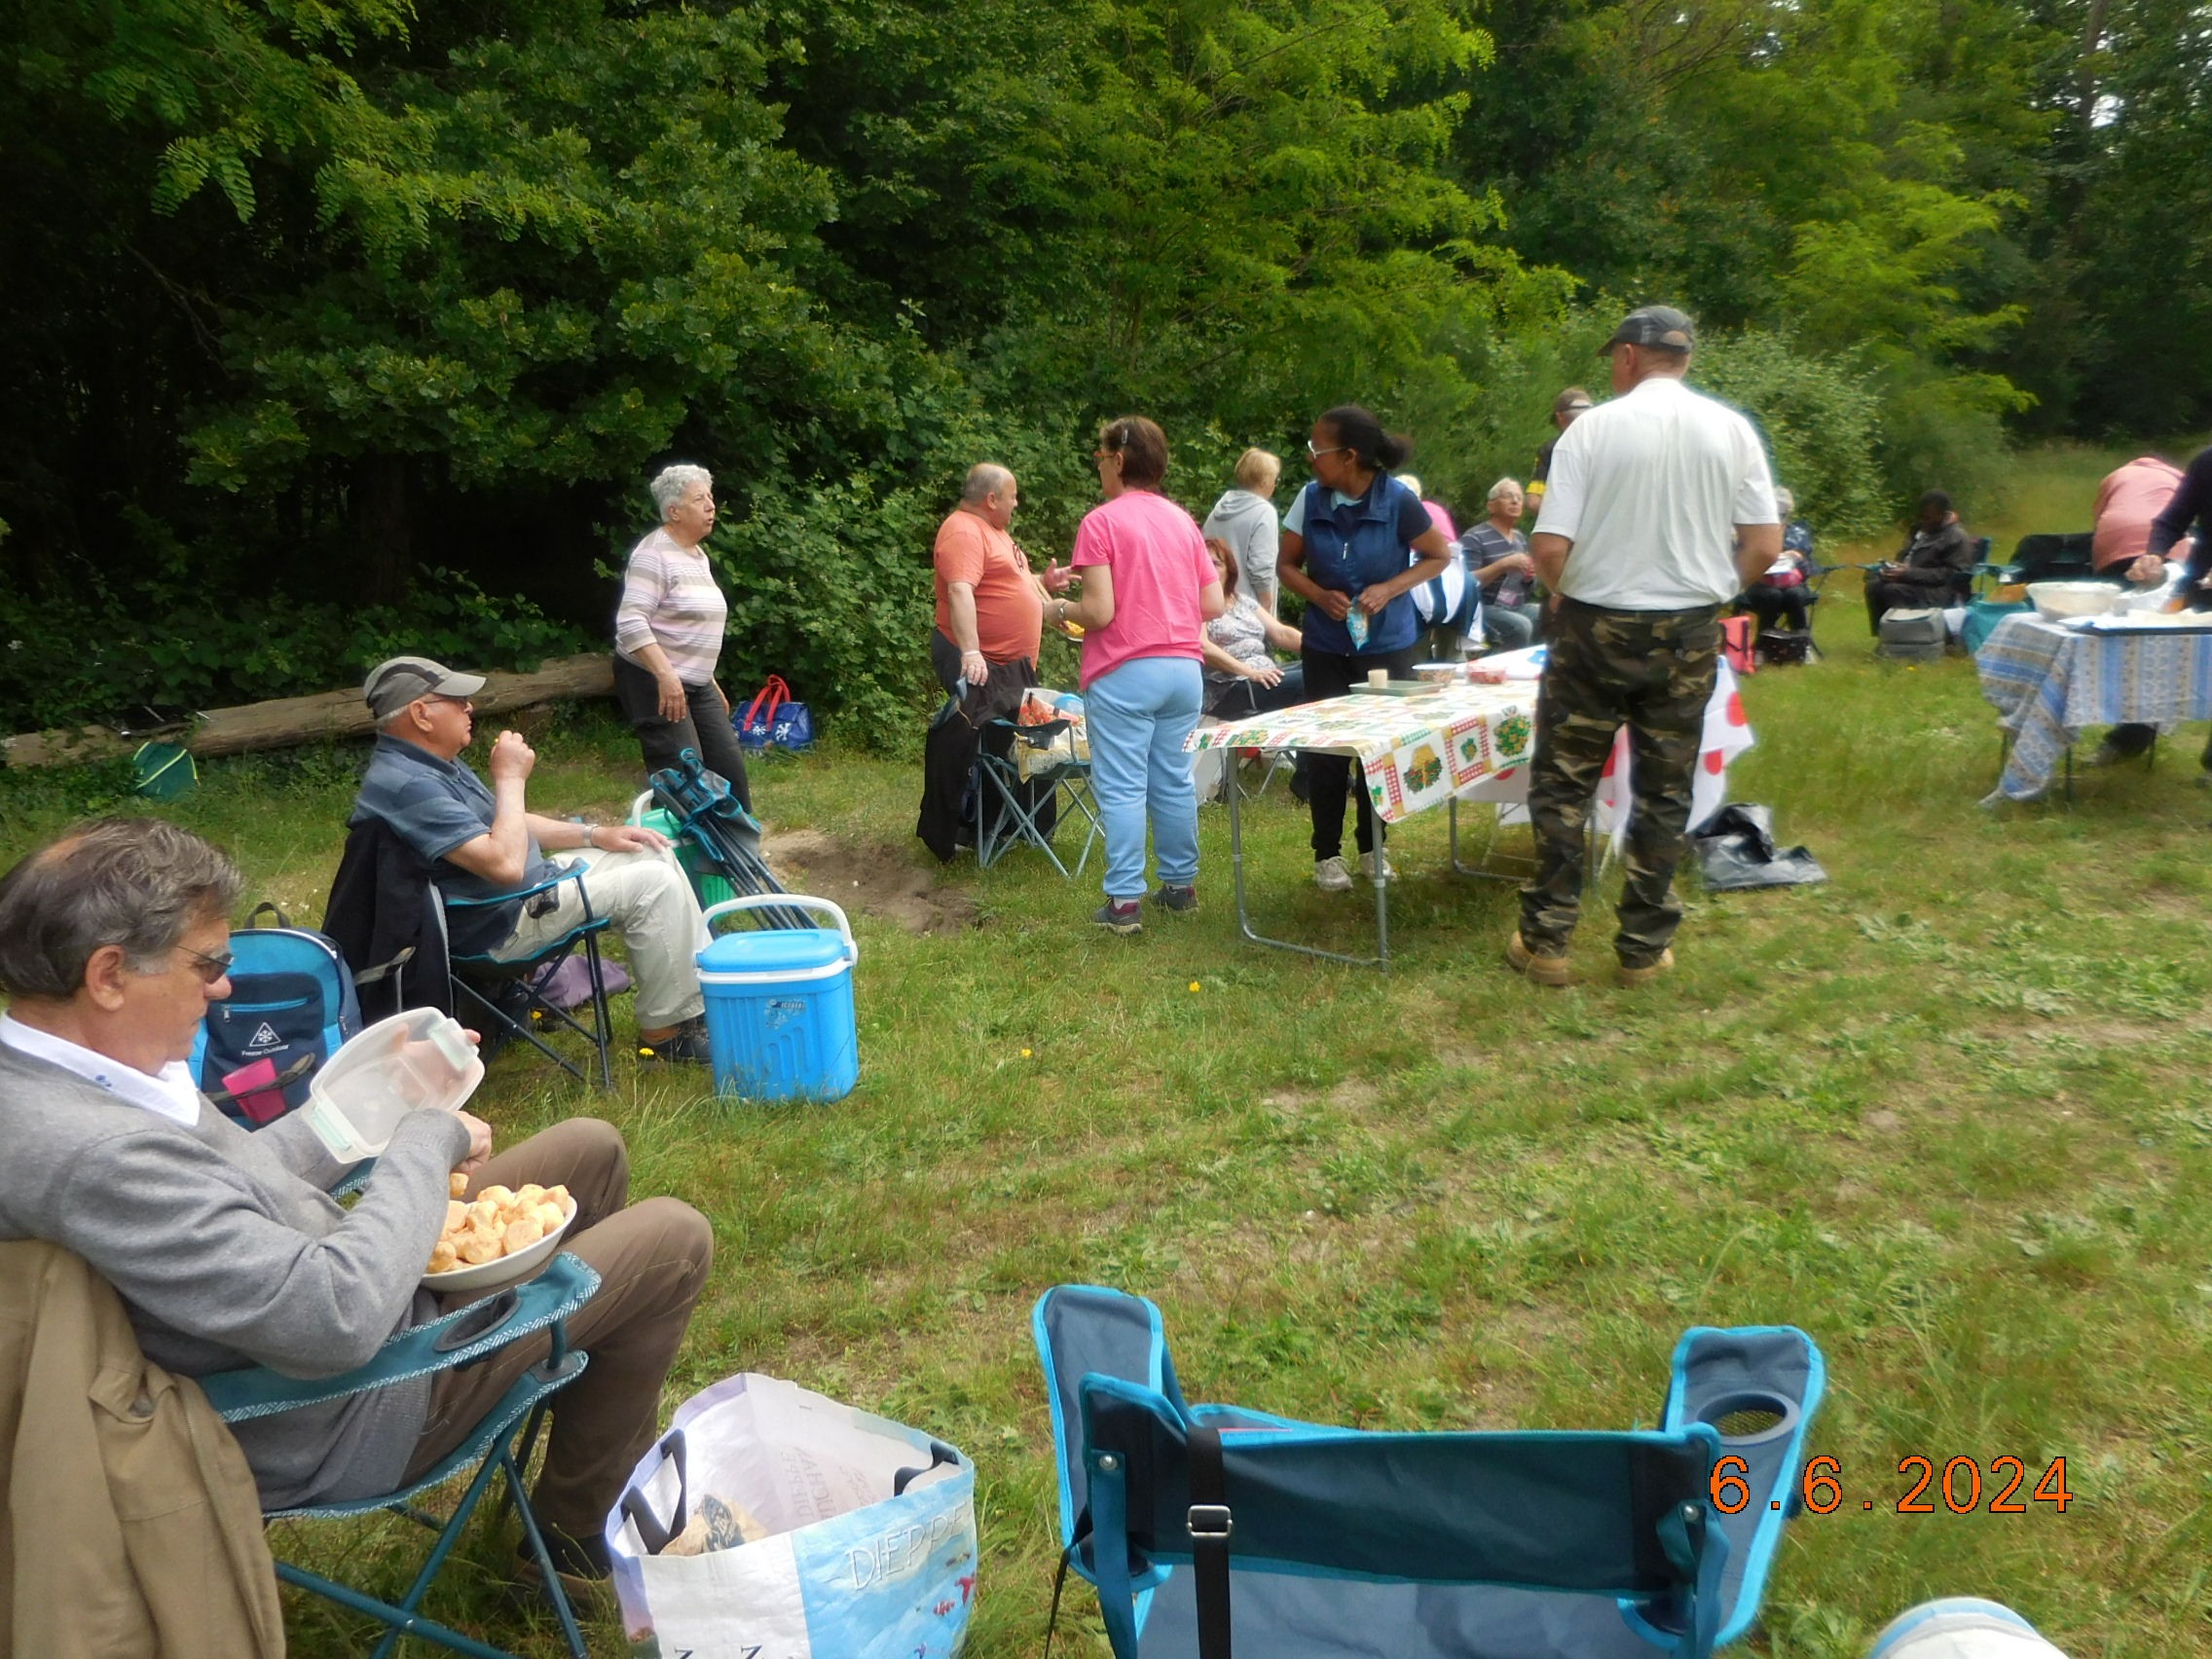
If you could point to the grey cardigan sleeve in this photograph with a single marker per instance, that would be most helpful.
(183, 1234)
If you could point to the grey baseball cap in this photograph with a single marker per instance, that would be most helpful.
(397, 682)
(1662, 326)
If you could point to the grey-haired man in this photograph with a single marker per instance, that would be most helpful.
(482, 842)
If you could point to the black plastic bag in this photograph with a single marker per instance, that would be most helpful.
(1735, 851)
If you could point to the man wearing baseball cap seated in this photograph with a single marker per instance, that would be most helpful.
(481, 843)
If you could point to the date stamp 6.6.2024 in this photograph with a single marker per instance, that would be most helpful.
(1922, 1487)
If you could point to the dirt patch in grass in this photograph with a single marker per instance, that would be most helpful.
(870, 877)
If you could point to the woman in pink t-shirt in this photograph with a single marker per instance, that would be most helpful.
(1149, 588)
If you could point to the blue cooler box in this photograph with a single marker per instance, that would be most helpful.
(780, 1004)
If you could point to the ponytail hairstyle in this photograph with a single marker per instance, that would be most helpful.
(1363, 434)
(1142, 446)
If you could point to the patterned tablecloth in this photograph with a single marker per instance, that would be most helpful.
(1416, 751)
(2049, 683)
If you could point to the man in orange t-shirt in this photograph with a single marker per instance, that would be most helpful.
(990, 606)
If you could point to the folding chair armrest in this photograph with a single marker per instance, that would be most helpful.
(567, 872)
(453, 1340)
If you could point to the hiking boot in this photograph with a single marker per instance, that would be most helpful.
(1174, 898)
(1540, 969)
(1331, 876)
(1121, 915)
(1632, 978)
(687, 1047)
(1367, 866)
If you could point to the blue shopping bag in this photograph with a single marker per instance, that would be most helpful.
(775, 718)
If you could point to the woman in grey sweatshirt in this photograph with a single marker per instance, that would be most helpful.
(1245, 518)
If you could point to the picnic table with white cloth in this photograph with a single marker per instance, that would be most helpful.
(1449, 741)
(2051, 681)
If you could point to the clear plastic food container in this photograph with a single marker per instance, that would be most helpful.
(419, 1060)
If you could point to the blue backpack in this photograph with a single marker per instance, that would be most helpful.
(291, 1005)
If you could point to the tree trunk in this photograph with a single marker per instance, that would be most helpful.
(288, 720)
(387, 533)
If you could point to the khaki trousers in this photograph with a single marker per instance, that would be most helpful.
(652, 1259)
(648, 899)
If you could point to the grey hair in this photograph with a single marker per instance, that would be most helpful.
(670, 487)
(1501, 486)
(1784, 499)
(135, 882)
(1412, 481)
(985, 479)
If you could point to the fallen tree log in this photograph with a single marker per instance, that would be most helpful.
(287, 720)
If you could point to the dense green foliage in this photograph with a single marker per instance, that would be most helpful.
(336, 323)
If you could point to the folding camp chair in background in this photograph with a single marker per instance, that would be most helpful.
(1022, 795)
(500, 1444)
(1303, 1541)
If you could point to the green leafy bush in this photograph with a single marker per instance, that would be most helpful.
(1822, 418)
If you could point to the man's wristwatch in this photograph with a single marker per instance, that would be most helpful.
(590, 830)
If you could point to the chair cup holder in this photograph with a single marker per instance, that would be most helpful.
(1749, 1417)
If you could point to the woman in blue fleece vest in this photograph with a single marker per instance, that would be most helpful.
(1355, 544)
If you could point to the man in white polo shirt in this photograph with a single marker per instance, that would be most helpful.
(1660, 511)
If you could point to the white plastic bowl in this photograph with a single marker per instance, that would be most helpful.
(491, 1276)
(2054, 602)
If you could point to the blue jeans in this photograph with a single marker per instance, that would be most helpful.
(1137, 718)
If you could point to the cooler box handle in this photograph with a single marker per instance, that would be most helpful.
(793, 901)
(640, 806)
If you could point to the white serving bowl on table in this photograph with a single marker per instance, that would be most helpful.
(505, 1270)
(2056, 601)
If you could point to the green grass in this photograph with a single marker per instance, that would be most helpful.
(1945, 1112)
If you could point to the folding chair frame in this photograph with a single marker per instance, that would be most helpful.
(501, 1443)
(528, 971)
(997, 832)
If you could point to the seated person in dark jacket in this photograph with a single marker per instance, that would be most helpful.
(226, 1248)
(1783, 591)
(1929, 570)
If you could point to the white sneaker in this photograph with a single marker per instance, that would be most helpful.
(1367, 867)
(1331, 876)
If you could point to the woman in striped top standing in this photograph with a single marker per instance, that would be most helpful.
(668, 635)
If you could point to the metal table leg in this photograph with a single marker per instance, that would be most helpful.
(1381, 958)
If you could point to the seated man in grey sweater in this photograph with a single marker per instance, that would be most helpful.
(225, 1246)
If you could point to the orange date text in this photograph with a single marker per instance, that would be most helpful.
(1921, 1487)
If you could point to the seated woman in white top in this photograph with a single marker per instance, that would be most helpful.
(1241, 677)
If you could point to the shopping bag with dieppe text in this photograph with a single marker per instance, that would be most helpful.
(770, 1521)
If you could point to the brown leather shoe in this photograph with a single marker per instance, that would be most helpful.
(1632, 978)
(1541, 970)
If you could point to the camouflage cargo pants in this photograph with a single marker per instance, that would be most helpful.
(1651, 671)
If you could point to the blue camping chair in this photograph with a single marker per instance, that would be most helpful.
(500, 1444)
(508, 991)
(1315, 1542)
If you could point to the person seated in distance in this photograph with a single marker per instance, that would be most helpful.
(1928, 569)
(1782, 589)
(481, 843)
(225, 1246)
